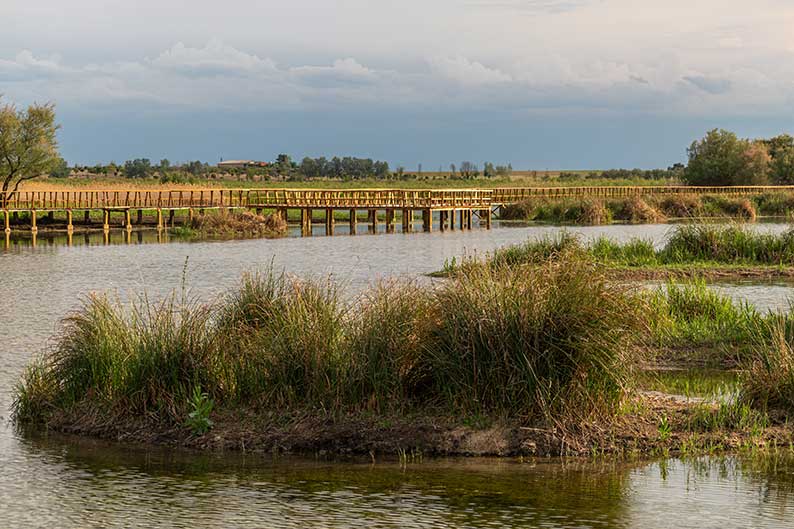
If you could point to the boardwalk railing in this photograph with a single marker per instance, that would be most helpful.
(248, 198)
(511, 195)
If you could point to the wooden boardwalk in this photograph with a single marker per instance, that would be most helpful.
(444, 207)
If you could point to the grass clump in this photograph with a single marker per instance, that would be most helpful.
(227, 224)
(728, 244)
(555, 344)
(768, 376)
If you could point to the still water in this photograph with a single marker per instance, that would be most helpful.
(63, 482)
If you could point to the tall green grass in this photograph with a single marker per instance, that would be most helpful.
(556, 344)
(688, 244)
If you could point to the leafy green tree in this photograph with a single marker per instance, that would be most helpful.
(165, 165)
(781, 150)
(28, 146)
(722, 159)
(60, 169)
(138, 168)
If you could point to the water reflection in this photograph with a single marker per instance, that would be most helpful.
(102, 485)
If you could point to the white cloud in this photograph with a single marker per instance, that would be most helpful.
(216, 58)
(467, 72)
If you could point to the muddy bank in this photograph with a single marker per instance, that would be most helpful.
(655, 423)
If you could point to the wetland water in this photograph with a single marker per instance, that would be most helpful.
(60, 482)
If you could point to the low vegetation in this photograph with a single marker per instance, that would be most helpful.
(552, 338)
(233, 225)
(706, 247)
(650, 209)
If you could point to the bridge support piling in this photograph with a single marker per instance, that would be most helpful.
(171, 218)
(159, 219)
(127, 220)
(353, 222)
(488, 215)
(69, 225)
(282, 212)
(33, 227)
(87, 217)
(258, 211)
(451, 214)
(50, 216)
(140, 217)
(15, 216)
(306, 221)
(6, 221)
(389, 220)
(105, 220)
(373, 217)
(408, 220)
(329, 221)
(427, 220)
(190, 215)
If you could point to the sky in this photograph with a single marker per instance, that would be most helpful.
(541, 84)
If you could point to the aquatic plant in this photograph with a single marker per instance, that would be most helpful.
(230, 224)
(768, 378)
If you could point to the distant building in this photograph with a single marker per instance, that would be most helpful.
(240, 164)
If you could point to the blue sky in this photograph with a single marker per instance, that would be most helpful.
(543, 84)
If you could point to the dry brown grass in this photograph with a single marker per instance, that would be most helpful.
(637, 210)
(234, 224)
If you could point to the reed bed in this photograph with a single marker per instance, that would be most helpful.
(554, 345)
(226, 224)
(650, 209)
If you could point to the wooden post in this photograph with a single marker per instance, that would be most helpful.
(105, 219)
(171, 217)
(427, 220)
(353, 222)
(190, 215)
(7, 221)
(282, 212)
(159, 219)
(258, 211)
(488, 218)
(69, 226)
(462, 219)
(329, 221)
(389, 220)
(452, 220)
(87, 216)
(373, 215)
(50, 216)
(306, 221)
(407, 220)
(442, 220)
(140, 216)
(469, 215)
(127, 220)
(33, 227)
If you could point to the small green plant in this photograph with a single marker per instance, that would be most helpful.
(198, 420)
(665, 430)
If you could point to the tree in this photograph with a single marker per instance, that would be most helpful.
(488, 169)
(28, 147)
(60, 169)
(138, 168)
(722, 159)
(781, 150)
(165, 165)
(467, 169)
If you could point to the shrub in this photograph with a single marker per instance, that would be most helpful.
(768, 377)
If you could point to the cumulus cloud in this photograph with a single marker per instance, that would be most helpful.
(467, 72)
(214, 59)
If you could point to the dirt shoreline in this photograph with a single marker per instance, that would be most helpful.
(636, 433)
